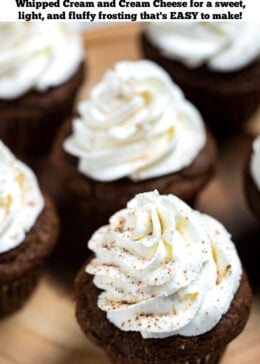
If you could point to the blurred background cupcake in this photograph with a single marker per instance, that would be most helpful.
(217, 65)
(165, 285)
(28, 231)
(41, 69)
(252, 179)
(135, 132)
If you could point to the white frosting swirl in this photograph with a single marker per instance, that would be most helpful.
(255, 162)
(223, 46)
(135, 124)
(165, 269)
(20, 200)
(36, 56)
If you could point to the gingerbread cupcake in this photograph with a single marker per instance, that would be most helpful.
(41, 69)
(215, 63)
(136, 132)
(168, 285)
(28, 231)
(252, 179)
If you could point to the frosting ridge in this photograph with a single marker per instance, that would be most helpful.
(36, 56)
(223, 46)
(135, 124)
(21, 201)
(164, 268)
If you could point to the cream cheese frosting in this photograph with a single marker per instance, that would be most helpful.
(21, 201)
(164, 268)
(136, 124)
(222, 46)
(255, 162)
(36, 56)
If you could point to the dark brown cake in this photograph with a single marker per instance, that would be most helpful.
(21, 267)
(28, 123)
(226, 100)
(100, 199)
(130, 348)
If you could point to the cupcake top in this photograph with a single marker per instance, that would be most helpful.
(255, 162)
(36, 56)
(136, 124)
(222, 46)
(20, 200)
(164, 268)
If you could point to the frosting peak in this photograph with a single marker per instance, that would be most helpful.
(165, 269)
(20, 200)
(223, 46)
(36, 56)
(135, 124)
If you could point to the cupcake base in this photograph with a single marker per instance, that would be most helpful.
(14, 294)
(100, 200)
(130, 347)
(226, 100)
(20, 268)
(28, 124)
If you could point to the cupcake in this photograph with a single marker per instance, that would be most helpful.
(134, 133)
(252, 180)
(41, 69)
(168, 285)
(28, 230)
(215, 63)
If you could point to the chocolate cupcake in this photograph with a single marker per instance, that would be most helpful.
(252, 179)
(28, 231)
(216, 65)
(135, 133)
(168, 285)
(41, 71)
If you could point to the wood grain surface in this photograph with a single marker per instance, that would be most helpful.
(45, 330)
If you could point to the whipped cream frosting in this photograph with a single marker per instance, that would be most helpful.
(36, 56)
(20, 200)
(137, 124)
(164, 268)
(255, 162)
(222, 46)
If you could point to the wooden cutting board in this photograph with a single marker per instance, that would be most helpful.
(45, 330)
